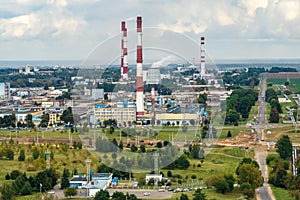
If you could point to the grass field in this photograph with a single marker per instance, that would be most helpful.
(218, 161)
(294, 83)
(281, 193)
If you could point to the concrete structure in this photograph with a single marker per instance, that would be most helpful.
(122, 114)
(5, 90)
(202, 62)
(139, 73)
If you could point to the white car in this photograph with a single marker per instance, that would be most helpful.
(146, 193)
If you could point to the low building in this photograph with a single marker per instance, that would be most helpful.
(180, 119)
(155, 177)
(54, 118)
(100, 181)
(78, 181)
(122, 113)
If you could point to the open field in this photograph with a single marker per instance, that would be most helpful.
(218, 161)
(294, 83)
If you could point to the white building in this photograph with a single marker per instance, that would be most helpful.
(156, 177)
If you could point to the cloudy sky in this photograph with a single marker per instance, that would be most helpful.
(71, 29)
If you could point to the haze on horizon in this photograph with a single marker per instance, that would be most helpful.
(70, 29)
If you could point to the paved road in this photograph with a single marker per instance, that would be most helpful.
(154, 194)
(264, 192)
(262, 108)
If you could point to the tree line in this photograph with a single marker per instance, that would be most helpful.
(272, 98)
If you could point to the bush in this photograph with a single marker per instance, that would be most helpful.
(69, 192)
(270, 158)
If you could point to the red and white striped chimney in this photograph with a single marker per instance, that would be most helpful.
(139, 72)
(202, 64)
(125, 62)
(122, 47)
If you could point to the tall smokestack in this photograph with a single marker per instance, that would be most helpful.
(125, 62)
(202, 65)
(139, 72)
(122, 47)
(153, 105)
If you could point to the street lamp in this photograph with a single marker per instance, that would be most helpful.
(41, 185)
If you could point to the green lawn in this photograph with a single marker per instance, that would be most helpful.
(281, 193)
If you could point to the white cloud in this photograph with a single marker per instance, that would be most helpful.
(25, 25)
(259, 21)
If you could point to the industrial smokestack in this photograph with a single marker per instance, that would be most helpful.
(202, 64)
(139, 72)
(122, 47)
(153, 105)
(125, 62)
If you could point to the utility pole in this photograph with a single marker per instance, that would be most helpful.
(88, 169)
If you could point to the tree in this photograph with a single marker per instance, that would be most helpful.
(133, 148)
(19, 183)
(246, 161)
(70, 191)
(131, 197)
(67, 116)
(118, 196)
(159, 145)
(121, 146)
(9, 154)
(7, 192)
(202, 98)
(229, 134)
(184, 197)
(278, 174)
(65, 179)
(284, 147)
(249, 173)
(21, 155)
(274, 115)
(26, 189)
(247, 190)
(114, 156)
(143, 148)
(35, 153)
(198, 195)
(102, 195)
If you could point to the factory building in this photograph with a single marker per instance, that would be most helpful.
(122, 112)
